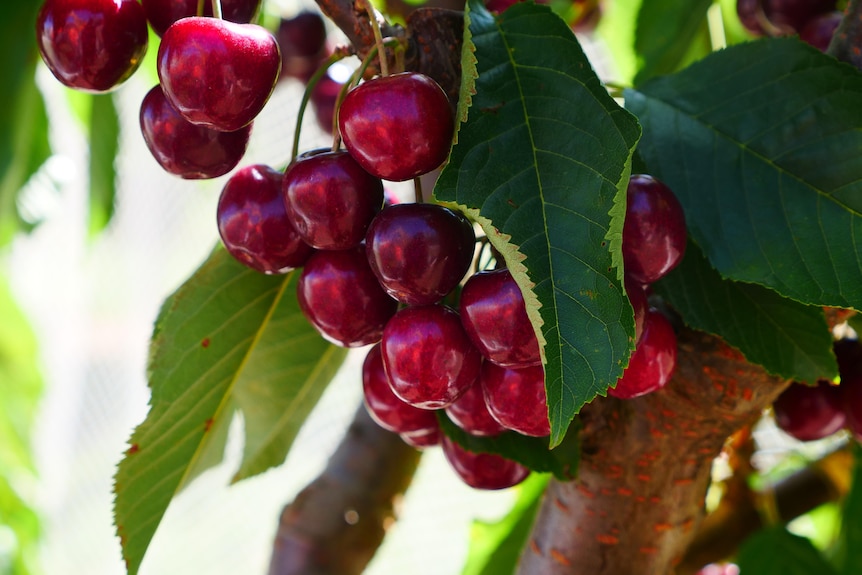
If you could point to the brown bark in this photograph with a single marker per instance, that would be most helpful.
(846, 43)
(645, 468)
(335, 525)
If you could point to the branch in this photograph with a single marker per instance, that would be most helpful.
(335, 525)
(846, 43)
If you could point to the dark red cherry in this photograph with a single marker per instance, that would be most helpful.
(809, 412)
(419, 252)
(819, 31)
(483, 470)
(470, 413)
(428, 357)
(397, 127)
(848, 353)
(184, 149)
(654, 232)
(493, 313)
(386, 408)
(163, 13)
(341, 298)
(330, 200)
(640, 304)
(216, 73)
(752, 16)
(653, 361)
(253, 224)
(92, 45)
(791, 16)
(302, 40)
(422, 439)
(516, 398)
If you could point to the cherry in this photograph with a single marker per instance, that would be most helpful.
(253, 224)
(302, 40)
(819, 31)
(397, 127)
(470, 413)
(780, 17)
(419, 252)
(341, 298)
(483, 470)
(848, 352)
(428, 357)
(516, 398)
(809, 412)
(422, 439)
(493, 313)
(654, 231)
(163, 13)
(638, 300)
(653, 361)
(385, 407)
(217, 73)
(184, 149)
(330, 200)
(92, 45)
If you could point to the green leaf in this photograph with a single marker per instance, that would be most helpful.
(851, 522)
(542, 163)
(495, 547)
(787, 338)
(104, 144)
(530, 452)
(229, 338)
(665, 32)
(760, 143)
(775, 551)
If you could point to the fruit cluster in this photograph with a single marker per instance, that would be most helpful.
(814, 20)
(808, 413)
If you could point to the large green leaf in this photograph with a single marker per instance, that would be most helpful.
(495, 547)
(104, 144)
(789, 339)
(542, 163)
(775, 551)
(228, 338)
(761, 143)
(665, 32)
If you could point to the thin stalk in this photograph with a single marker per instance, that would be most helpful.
(417, 186)
(200, 10)
(217, 13)
(306, 96)
(378, 37)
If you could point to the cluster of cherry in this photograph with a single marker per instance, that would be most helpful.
(814, 20)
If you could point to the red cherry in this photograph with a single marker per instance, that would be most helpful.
(330, 200)
(809, 412)
(428, 357)
(483, 470)
(302, 40)
(184, 149)
(640, 304)
(341, 298)
(217, 73)
(253, 224)
(422, 439)
(397, 127)
(419, 252)
(493, 313)
(470, 413)
(819, 31)
(652, 363)
(654, 232)
(92, 45)
(163, 13)
(516, 398)
(386, 408)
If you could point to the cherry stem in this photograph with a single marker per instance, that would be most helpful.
(306, 96)
(417, 186)
(378, 38)
(200, 11)
(217, 13)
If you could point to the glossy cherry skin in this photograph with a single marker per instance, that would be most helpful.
(162, 13)
(516, 398)
(253, 224)
(819, 31)
(422, 439)
(92, 45)
(397, 127)
(428, 357)
(330, 200)
(493, 313)
(470, 413)
(653, 361)
(809, 412)
(386, 408)
(780, 17)
(483, 470)
(216, 73)
(419, 252)
(302, 40)
(184, 149)
(340, 297)
(654, 232)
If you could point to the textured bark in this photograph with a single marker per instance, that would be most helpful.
(846, 44)
(645, 468)
(335, 525)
